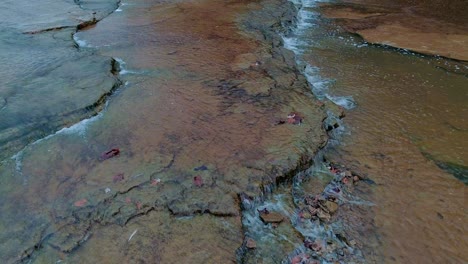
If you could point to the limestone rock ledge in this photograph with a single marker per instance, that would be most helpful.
(183, 166)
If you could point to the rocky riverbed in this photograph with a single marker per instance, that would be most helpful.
(154, 131)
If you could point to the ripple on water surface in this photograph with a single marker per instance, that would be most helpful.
(408, 108)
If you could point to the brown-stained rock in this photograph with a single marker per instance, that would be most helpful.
(251, 244)
(323, 215)
(331, 206)
(406, 24)
(271, 217)
(195, 106)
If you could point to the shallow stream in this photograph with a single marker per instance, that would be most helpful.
(404, 137)
(406, 128)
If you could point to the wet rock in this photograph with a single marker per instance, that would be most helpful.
(314, 245)
(306, 215)
(70, 237)
(301, 259)
(251, 244)
(109, 154)
(81, 203)
(198, 181)
(244, 61)
(294, 118)
(441, 217)
(118, 177)
(334, 110)
(272, 217)
(331, 206)
(323, 216)
(345, 180)
(201, 168)
(213, 136)
(317, 183)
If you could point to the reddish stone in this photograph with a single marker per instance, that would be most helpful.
(251, 244)
(81, 203)
(198, 181)
(294, 118)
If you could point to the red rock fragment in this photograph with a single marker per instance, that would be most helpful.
(118, 177)
(81, 203)
(296, 260)
(315, 245)
(198, 181)
(300, 259)
(109, 154)
(294, 118)
(250, 244)
(128, 200)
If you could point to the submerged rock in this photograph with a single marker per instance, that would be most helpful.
(250, 244)
(442, 35)
(331, 206)
(271, 217)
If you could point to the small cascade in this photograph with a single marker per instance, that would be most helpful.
(310, 232)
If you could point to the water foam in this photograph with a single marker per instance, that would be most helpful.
(123, 68)
(119, 9)
(81, 42)
(306, 19)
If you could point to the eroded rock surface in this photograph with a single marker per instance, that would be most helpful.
(439, 28)
(47, 82)
(212, 86)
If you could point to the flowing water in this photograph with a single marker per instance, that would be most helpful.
(406, 129)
